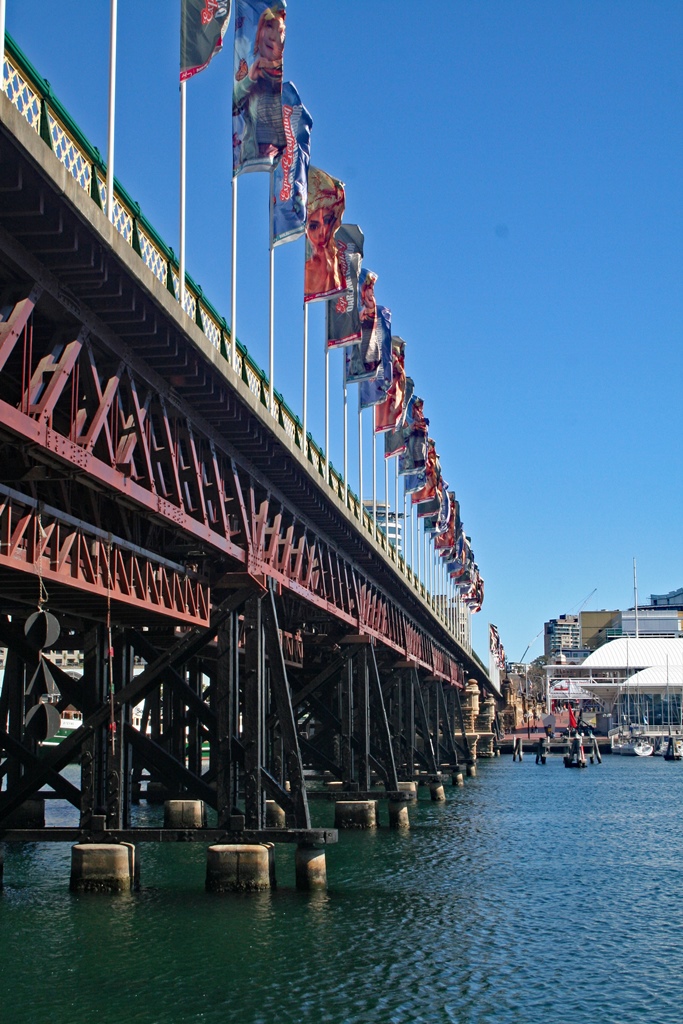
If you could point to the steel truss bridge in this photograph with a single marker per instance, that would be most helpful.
(170, 526)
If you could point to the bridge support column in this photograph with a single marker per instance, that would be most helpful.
(240, 868)
(311, 868)
(102, 867)
(436, 791)
(184, 814)
(458, 779)
(398, 814)
(254, 714)
(275, 816)
(30, 814)
(410, 788)
(355, 814)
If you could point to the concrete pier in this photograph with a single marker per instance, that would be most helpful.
(275, 816)
(437, 792)
(156, 793)
(398, 814)
(239, 868)
(184, 814)
(355, 814)
(471, 770)
(408, 787)
(310, 867)
(102, 867)
(30, 814)
(458, 779)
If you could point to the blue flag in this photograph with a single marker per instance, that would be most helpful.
(290, 178)
(363, 359)
(258, 134)
(374, 391)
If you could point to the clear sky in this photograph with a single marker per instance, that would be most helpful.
(517, 168)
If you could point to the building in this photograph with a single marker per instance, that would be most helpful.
(634, 680)
(674, 599)
(598, 627)
(561, 634)
(393, 528)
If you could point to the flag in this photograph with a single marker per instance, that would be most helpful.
(343, 319)
(323, 276)
(443, 518)
(364, 359)
(258, 133)
(415, 454)
(445, 541)
(395, 440)
(432, 472)
(389, 413)
(572, 718)
(290, 178)
(202, 27)
(414, 481)
(374, 391)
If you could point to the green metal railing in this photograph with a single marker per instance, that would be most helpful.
(32, 96)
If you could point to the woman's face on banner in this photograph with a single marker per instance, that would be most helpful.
(320, 227)
(272, 38)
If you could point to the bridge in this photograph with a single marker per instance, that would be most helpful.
(244, 625)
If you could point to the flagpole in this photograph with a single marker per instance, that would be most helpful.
(2, 45)
(327, 413)
(112, 104)
(304, 443)
(405, 524)
(374, 483)
(386, 496)
(360, 457)
(183, 150)
(233, 277)
(346, 437)
(271, 297)
(399, 547)
(412, 518)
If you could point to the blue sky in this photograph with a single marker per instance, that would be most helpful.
(516, 168)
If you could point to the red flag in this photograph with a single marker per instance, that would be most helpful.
(572, 719)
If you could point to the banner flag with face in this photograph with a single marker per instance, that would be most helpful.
(363, 358)
(363, 361)
(374, 391)
(258, 133)
(395, 440)
(432, 471)
(417, 427)
(439, 527)
(290, 177)
(389, 413)
(202, 27)
(323, 274)
(444, 541)
(343, 319)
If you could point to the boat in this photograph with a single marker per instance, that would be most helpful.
(70, 720)
(670, 748)
(631, 746)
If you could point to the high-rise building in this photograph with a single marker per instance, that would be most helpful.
(560, 634)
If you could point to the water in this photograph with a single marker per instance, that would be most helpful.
(534, 894)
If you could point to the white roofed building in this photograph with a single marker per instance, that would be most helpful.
(631, 677)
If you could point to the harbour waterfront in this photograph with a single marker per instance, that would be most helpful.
(532, 894)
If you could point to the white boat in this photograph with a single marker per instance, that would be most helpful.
(70, 720)
(632, 746)
(676, 752)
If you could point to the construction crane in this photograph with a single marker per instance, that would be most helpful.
(584, 602)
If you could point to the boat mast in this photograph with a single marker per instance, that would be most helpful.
(635, 594)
